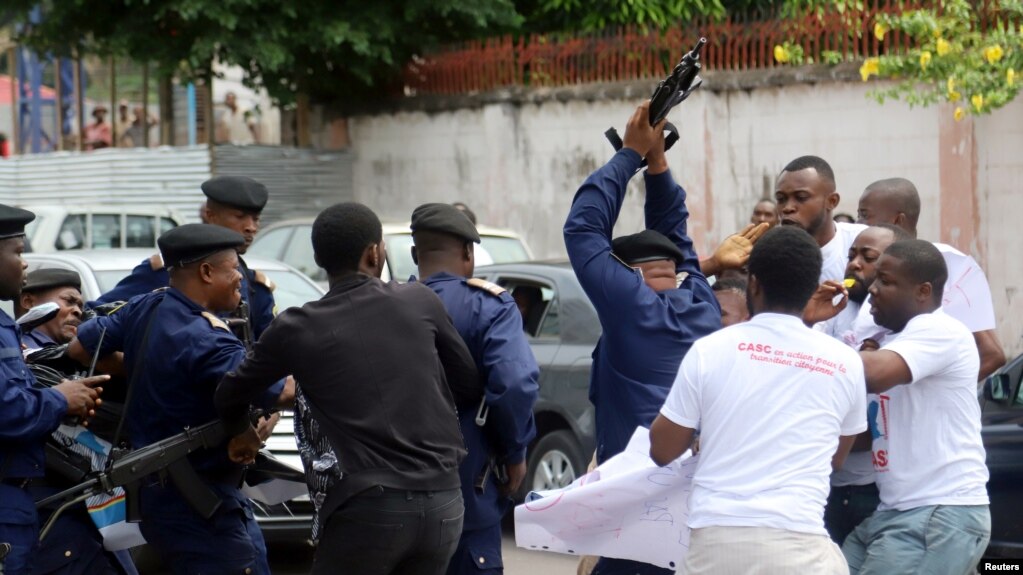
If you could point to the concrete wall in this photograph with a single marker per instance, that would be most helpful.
(518, 160)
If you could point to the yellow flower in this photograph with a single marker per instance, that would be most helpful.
(978, 101)
(781, 54)
(925, 59)
(943, 47)
(953, 95)
(937, 32)
(870, 67)
(959, 114)
(879, 31)
(993, 53)
(1010, 76)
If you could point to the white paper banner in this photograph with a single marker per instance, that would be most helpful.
(627, 508)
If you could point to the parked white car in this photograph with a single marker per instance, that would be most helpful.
(290, 241)
(72, 227)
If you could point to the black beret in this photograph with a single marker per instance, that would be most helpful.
(42, 279)
(193, 242)
(236, 191)
(13, 220)
(444, 218)
(646, 246)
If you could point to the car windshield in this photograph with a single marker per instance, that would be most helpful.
(292, 290)
(504, 250)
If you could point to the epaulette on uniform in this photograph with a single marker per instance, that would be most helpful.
(261, 278)
(156, 262)
(215, 321)
(492, 288)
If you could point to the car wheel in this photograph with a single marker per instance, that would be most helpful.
(556, 462)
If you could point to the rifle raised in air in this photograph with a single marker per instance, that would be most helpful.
(670, 92)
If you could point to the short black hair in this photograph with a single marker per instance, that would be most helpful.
(341, 233)
(899, 233)
(822, 168)
(787, 263)
(730, 284)
(922, 263)
(902, 194)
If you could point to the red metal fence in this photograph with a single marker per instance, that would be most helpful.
(737, 43)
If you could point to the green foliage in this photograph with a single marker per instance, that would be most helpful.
(337, 51)
(960, 55)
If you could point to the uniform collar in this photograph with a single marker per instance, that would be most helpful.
(38, 338)
(441, 277)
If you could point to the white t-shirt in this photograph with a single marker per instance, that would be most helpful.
(836, 252)
(771, 398)
(927, 443)
(967, 295)
(858, 468)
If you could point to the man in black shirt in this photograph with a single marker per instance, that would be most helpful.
(382, 367)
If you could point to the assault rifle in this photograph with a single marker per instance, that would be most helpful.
(128, 470)
(670, 92)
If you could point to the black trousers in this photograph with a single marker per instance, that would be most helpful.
(387, 531)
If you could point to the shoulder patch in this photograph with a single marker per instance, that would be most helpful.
(215, 321)
(261, 278)
(484, 285)
(156, 262)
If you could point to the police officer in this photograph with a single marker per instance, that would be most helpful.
(650, 295)
(176, 349)
(60, 286)
(489, 322)
(233, 202)
(27, 414)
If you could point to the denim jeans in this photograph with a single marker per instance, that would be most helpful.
(847, 507)
(389, 531)
(937, 539)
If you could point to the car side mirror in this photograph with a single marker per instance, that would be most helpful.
(998, 388)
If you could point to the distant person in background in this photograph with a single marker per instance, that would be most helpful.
(5, 146)
(235, 125)
(844, 218)
(135, 136)
(98, 134)
(124, 121)
(765, 212)
(529, 300)
(731, 294)
(465, 210)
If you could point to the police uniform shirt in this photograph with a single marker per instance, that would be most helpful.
(37, 340)
(188, 351)
(645, 333)
(151, 275)
(490, 324)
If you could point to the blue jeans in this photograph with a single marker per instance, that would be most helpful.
(937, 539)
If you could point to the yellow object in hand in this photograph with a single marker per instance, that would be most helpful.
(849, 282)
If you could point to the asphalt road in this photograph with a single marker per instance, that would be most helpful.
(293, 560)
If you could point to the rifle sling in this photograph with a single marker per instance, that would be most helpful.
(616, 141)
(133, 378)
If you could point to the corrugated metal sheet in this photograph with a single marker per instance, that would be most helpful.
(301, 182)
(165, 176)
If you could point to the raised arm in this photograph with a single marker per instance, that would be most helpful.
(257, 379)
(594, 212)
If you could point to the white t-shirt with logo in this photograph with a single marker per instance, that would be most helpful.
(771, 398)
(927, 444)
(835, 253)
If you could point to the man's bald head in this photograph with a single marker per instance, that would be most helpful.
(891, 201)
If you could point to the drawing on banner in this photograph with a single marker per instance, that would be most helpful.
(627, 508)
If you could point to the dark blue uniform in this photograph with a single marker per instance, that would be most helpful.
(188, 352)
(27, 416)
(37, 340)
(491, 326)
(645, 333)
(152, 275)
